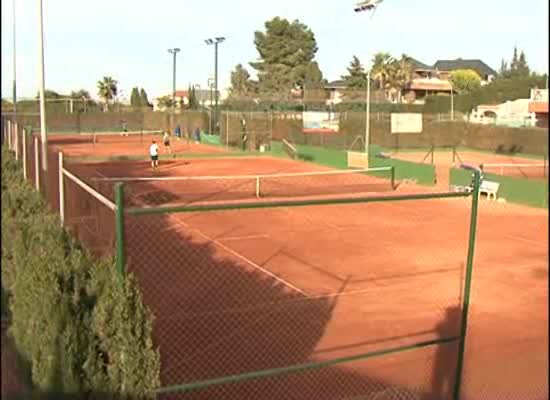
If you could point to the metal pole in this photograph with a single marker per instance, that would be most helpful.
(24, 154)
(43, 135)
(9, 135)
(174, 77)
(36, 165)
(367, 123)
(210, 119)
(16, 140)
(216, 85)
(452, 103)
(467, 285)
(14, 69)
(119, 225)
(61, 191)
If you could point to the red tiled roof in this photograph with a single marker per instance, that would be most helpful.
(180, 93)
(538, 107)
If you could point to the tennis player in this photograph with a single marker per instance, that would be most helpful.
(154, 153)
(124, 129)
(166, 141)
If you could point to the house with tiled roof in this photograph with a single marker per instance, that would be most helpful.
(444, 67)
(429, 80)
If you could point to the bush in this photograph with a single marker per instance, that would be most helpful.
(82, 327)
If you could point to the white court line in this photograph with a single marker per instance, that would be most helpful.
(533, 242)
(252, 263)
(244, 237)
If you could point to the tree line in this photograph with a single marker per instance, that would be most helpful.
(287, 73)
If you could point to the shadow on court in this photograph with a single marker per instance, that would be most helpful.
(216, 316)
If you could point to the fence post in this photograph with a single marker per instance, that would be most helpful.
(393, 177)
(61, 191)
(16, 140)
(467, 286)
(9, 135)
(36, 165)
(24, 154)
(119, 226)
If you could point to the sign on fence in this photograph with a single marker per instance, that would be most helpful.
(406, 123)
(320, 122)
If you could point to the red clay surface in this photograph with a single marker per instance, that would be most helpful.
(116, 145)
(238, 291)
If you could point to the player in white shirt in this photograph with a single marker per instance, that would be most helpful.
(154, 153)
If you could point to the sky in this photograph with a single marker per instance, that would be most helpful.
(128, 39)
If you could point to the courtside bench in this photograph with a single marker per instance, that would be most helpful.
(490, 188)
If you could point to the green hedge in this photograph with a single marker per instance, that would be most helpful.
(82, 327)
(515, 190)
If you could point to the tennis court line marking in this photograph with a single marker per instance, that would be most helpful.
(243, 258)
(533, 242)
(230, 238)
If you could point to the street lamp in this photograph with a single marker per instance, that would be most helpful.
(215, 42)
(174, 51)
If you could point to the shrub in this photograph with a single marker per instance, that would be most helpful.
(82, 327)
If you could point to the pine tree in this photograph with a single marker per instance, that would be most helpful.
(514, 63)
(135, 100)
(522, 67)
(144, 99)
(356, 80)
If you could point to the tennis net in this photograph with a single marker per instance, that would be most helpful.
(538, 170)
(156, 191)
(121, 137)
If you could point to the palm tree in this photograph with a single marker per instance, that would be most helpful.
(107, 90)
(399, 74)
(381, 65)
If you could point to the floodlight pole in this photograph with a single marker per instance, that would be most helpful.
(43, 133)
(367, 123)
(14, 69)
(215, 42)
(174, 51)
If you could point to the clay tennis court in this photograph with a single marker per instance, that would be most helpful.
(443, 160)
(80, 144)
(243, 290)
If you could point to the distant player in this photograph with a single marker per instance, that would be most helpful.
(166, 142)
(124, 129)
(154, 153)
(177, 132)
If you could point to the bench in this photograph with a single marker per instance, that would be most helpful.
(490, 188)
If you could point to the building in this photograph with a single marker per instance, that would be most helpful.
(514, 113)
(539, 106)
(426, 80)
(205, 98)
(429, 80)
(445, 67)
